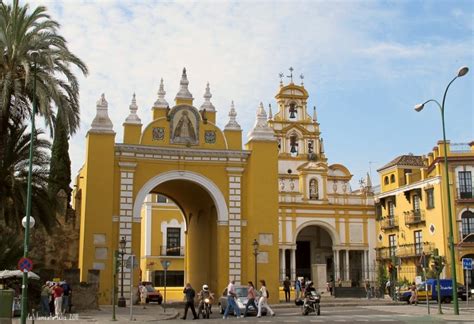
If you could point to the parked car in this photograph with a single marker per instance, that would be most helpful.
(462, 292)
(152, 294)
(241, 301)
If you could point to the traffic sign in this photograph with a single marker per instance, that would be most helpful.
(25, 264)
(467, 263)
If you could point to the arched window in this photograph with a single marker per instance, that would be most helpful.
(467, 219)
(313, 189)
(293, 111)
(385, 180)
(392, 178)
(294, 145)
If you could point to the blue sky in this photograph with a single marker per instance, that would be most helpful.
(366, 64)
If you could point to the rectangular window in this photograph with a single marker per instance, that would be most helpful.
(173, 278)
(418, 242)
(467, 223)
(392, 244)
(430, 198)
(465, 184)
(390, 209)
(161, 199)
(173, 241)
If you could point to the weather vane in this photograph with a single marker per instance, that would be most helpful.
(302, 78)
(281, 75)
(291, 74)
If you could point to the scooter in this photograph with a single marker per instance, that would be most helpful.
(206, 310)
(311, 304)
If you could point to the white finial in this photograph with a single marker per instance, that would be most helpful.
(232, 124)
(102, 122)
(184, 91)
(133, 117)
(368, 181)
(270, 115)
(321, 146)
(161, 101)
(261, 130)
(207, 100)
(315, 117)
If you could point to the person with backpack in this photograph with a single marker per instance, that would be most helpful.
(263, 301)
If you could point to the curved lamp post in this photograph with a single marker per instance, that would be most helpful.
(28, 220)
(122, 302)
(461, 72)
(255, 253)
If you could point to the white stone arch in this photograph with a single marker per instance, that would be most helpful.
(328, 227)
(207, 184)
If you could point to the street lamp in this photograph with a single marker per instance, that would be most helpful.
(255, 253)
(461, 72)
(24, 292)
(122, 302)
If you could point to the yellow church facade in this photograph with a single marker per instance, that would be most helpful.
(412, 211)
(185, 190)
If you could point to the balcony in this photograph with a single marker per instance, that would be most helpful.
(385, 253)
(389, 222)
(466, 193)
(414, 217)
(171, 250)
(415, 249)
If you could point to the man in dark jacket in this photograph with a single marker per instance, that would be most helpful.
(189, 295)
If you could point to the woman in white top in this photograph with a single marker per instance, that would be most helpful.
(262, 302)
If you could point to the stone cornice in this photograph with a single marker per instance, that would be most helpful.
(167, 152)
(416, 185)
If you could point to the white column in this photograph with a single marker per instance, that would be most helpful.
(346, 266)
(363, 266)
(293, 263)
(148, 227)
(282, 264)
(338, 267)
(367, 264)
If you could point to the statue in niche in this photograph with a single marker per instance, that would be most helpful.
(185, 128)
(313, 189)
(310, 146)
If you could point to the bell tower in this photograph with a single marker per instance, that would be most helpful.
(296, 130)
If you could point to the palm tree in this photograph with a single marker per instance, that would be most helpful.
(14, 175)
(22, 32)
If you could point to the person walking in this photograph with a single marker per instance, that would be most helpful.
(231, 295)
(298, 288)
(58, 300)
(189, 303)
(414, 295)
(143, 293)
(67, 292)
(286, 288)
(263, 301)
(367, 289)
(45, 295)
(251, 296)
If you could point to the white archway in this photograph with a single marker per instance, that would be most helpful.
(328, 227)
(208, 185)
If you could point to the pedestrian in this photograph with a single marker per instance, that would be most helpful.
(189, 303)
(251, 296)
(143, 294)
(58, 300)
(298, 288)
(263, 301)
(45, 296)
(367, 289)
(303, 285)
(331, 286)
(414, 295)
(339, 282)
(66, 296)
(51, 298)
(286, 288)
(231, 295)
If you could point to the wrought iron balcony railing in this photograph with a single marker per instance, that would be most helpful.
(172, 250)
(413, 217)
(465, 193)
(385, 253)
(415, 249)
(389, 222)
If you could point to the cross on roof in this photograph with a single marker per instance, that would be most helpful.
(291, 74)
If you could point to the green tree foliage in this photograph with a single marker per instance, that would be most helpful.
(11, 249)
(22, 32)
(14, 172)
(60, 166)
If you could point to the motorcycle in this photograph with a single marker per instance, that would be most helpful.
(206, 310)
(311, 304)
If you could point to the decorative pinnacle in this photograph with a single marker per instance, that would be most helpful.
(161, 101)
(281, 75)
(302, 78)
(207, 105)
(133, 117)
(270, 115)
(102, 122)
(261, 111)
(315, 117)
(261, 130)
(184, 91)
(232, 124)
(102, 102)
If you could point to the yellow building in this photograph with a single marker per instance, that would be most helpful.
(279, 190)
(412, 210)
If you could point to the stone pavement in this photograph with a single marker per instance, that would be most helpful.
(466, 314)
